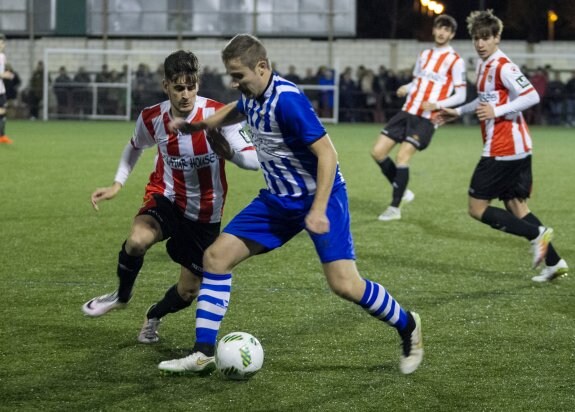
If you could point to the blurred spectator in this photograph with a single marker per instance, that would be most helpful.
(103, 92)
(156, 88)
(82, 92)
(347, 96)
(62, 91)
(292, 76)
(368, 87)
(212, 84)
(325, 78)
(35, 91)
(313, 95)
(570, 95)
(534, 115)
(141, 88)
(554, 99)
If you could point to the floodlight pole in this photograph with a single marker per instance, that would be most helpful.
(255, 19)
(330, 18)
(105, 28)
(31, 33)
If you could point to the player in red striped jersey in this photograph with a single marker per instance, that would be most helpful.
(184, 197)
(439, 80)
(4, 74)
(504, 171)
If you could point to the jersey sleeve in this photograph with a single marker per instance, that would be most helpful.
(514, 80)
(458, 73)
(237, 137)
(296, 118)
(142, 138)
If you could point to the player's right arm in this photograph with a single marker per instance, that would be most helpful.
(130, 155)
(227, 115)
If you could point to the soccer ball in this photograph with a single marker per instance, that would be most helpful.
(239, 356)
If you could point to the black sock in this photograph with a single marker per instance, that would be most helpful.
(507, 222)
(206, 348)
(172, 302)
(399, 185)
(128, 269)
(405, 333)
(2, 124)
(552, 257)
(388, 169)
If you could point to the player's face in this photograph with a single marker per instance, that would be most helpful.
(485, 45)
(442, 35)
(182, 94)
(252, 83)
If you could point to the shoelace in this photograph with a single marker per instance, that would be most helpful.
(110, 297)
(150, 329)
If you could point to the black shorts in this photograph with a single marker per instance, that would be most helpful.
(3, 100)
(501, 179)
(407, 127)
(187, 240)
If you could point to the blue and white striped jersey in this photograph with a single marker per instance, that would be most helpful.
(283, 124)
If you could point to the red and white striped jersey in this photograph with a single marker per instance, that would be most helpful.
(436, 74)
(187, 170)
(500, 82)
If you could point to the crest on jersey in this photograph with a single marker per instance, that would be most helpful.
(522, 81)
(490, 78)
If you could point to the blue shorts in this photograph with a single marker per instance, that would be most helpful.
(271, 221)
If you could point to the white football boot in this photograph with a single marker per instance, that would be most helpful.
(548, 273)
(197, 362)
(102, 304)
(412, 354)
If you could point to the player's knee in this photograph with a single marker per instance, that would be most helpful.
(344, 288)
(214, 260)
(474, 212)
(188, 294)
(137, 245)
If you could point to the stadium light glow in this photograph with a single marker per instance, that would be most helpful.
(432, 6)
(552, 16)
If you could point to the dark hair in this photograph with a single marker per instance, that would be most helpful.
(484, 24)
(181, 63)
(247, 48)
(445, 20)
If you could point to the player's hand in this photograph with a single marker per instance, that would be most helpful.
(402, 91)
(219, 144)
(445, 116)
(179, 124)
(428, 106)
(485, 111)
(105, 193)
(317, 222)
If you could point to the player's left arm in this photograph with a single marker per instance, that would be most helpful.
(316, 220)
(518, 85)
(459, 92)
(233, 143)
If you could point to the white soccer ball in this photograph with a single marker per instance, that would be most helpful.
(239, 356)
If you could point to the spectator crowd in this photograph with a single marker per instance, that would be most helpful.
(365, 95)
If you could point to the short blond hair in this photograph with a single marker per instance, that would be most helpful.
(483, 23)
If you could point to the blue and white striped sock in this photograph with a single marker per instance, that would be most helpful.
(380, 304)
(212, 306)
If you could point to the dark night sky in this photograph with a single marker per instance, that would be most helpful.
(523, 19)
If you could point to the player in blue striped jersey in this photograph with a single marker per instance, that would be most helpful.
(305, 190)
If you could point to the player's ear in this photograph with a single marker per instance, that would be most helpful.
(261, 67)
(165, 85)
